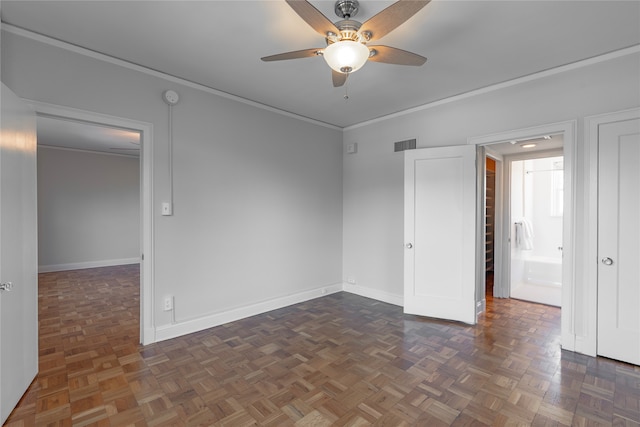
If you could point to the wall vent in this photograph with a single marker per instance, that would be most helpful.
(409, 144)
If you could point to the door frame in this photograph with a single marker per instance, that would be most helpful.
(568, 130)
(589, 342)
(147, 322)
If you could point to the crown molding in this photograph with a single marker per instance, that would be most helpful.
(155, 73)
(514, 82)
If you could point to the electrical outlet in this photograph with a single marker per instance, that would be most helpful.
(168, 303)
(351, 280)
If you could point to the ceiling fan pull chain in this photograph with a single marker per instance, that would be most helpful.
(346, 93)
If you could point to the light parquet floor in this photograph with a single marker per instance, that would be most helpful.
(339, 360)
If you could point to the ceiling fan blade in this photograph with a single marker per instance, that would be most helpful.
(392, 55)
(339, 79)
(313, 17)
(392, 17)
(306, 53)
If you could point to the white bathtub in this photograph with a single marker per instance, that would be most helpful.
(537, 279)
(543, 271)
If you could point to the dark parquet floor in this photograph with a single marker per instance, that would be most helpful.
(340, 360)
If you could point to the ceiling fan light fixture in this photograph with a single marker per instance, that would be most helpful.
(346, 56)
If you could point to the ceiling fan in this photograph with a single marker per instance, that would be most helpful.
(347, 49)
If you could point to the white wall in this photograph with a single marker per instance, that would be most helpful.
(88, 209)
(373, 178)
(258, 195)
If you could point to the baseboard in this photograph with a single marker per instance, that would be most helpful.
(375, 294)
(181, 328)
(88, 264)
(481, 306)
(584, 345)
(149, 336)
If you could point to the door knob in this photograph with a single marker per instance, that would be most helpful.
(409, 245)
(6, 286)
(607, 261)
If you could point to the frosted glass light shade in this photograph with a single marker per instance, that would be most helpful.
(346, 56)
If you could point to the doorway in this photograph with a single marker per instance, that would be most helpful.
(524, 192)
(536, 214)
(88, 195)
(145, 252)
(502, 145)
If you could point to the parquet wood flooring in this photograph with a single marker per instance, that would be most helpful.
(340, 360)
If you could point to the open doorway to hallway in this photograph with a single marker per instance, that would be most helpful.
(145, 231)
(88, 195)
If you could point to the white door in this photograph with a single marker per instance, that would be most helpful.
(18, 251)
(440, 233)
(619, 240)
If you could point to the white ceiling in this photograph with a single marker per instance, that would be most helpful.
(218, 44)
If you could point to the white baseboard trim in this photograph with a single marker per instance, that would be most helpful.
(149, 336)
(181, 328)
(88, 264)
(375, 294)
(481, 306)
(584, 345)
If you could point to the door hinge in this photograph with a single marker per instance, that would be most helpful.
(8, 286)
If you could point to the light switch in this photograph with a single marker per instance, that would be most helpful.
(166, 209)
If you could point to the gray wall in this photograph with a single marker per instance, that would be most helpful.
(258, 195)
(88, 209)
(373, 178)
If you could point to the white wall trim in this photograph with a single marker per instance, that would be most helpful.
(215, 319)
(133, 66)
(568, 129)
(395, 299)
(74, 114)
(147, 286)
(481, 306)
(81, 150)
(498, 86)
(87, 264)
(516, 134)
(588, 344)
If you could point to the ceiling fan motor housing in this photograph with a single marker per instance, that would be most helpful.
(346, 9)
(348, 31)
